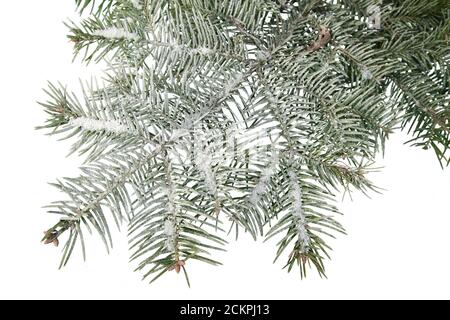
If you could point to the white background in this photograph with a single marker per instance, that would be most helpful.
(397, 244)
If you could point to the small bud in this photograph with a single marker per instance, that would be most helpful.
(322, 41)
(51, 237)
(217, 208)
(177, 268)
(60, 109)
(48, 241)
(304, 258)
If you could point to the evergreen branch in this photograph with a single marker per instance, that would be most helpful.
(432, 127)
(100, 123)
(314, 86)
(165, 234)
(86, 209)
(303, 222)
(100, 6)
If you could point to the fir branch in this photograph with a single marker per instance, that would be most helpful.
(311, 82)
(88, 209)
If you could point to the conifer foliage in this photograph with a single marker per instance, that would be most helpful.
(231, 116)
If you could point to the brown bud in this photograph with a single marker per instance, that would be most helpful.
(304, 258)
(171, 268)
(48, 241)
(177, 266)
(60, 109)
(217, 207)
(51, 237)
(322, 41)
